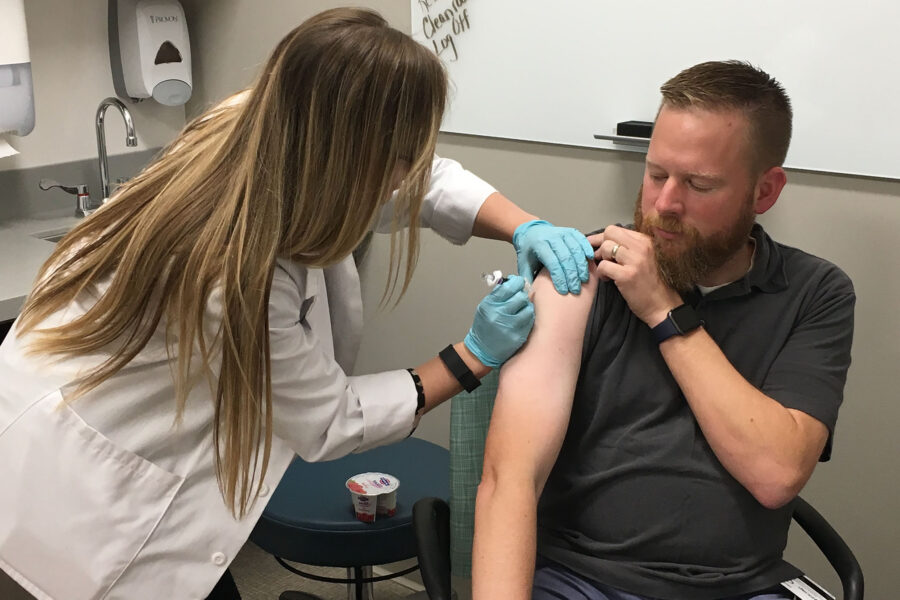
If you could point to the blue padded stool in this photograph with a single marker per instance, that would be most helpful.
(310, 517)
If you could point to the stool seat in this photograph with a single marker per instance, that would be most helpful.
(310, 517)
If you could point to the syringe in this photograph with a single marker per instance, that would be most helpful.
(495, 278)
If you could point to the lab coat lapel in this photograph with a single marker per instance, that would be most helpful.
(346, 311)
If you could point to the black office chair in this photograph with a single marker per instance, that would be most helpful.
(431, 519)
(833, 547)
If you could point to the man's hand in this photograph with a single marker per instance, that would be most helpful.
(627, 258)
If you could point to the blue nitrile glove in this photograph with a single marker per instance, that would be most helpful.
(503, 320)
(563, 250)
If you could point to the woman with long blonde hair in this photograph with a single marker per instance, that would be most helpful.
(186, 340)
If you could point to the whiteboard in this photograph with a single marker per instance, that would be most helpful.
(564, 71)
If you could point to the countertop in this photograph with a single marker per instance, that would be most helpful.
(22, 253)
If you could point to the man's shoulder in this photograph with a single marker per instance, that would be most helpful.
(802, 265)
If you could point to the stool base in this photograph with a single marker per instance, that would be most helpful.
(356, 589)
(294, 595)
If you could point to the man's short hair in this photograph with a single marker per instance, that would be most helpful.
(733, 84)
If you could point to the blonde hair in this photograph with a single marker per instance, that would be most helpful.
(737, 85)
(299, 169)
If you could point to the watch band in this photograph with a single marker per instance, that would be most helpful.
(458, 368)
(664, 330)
(679, 321)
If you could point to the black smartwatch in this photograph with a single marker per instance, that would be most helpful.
(679, 321)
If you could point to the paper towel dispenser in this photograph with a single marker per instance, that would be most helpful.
(16, 90)
(149, 50)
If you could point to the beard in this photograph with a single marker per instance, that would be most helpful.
(693, 257)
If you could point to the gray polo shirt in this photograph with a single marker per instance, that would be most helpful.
(637, 499)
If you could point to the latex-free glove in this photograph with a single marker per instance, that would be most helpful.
(503, 320)
(563, 250)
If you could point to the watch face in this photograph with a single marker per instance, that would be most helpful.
(685, 318)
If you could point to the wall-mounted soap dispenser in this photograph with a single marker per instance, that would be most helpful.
(16, 92)
(149, 50)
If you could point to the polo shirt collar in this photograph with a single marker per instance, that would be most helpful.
(767, 273)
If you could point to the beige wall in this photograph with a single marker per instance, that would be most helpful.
(71, 75)
(232, 37)
(853, 222)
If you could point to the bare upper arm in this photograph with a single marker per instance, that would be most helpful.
(534, 399)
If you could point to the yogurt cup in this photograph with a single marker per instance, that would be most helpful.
(374, 494)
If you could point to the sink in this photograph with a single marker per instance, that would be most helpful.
(51, 236)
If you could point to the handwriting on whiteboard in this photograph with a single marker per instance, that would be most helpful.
(443, 22)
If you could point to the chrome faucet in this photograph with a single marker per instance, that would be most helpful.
(130, 139)
(83, 204)
(82, 197)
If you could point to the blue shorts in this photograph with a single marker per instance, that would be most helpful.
(555, 582)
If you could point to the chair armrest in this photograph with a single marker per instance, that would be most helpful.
(431, 522)
(832, 546)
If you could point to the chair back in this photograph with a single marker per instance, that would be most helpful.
(470, 414)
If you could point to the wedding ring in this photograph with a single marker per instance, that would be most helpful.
(614, 250)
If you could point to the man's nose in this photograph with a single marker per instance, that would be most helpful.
(670, 199)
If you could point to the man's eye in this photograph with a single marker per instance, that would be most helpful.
(699, 188)
(659, 178)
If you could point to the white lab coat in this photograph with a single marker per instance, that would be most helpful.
(108, 498)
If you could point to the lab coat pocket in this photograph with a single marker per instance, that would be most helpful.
(77, 508)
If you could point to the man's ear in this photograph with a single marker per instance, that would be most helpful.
(768, 188)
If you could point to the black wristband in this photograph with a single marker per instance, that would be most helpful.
(420, 391)
(458, 368)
